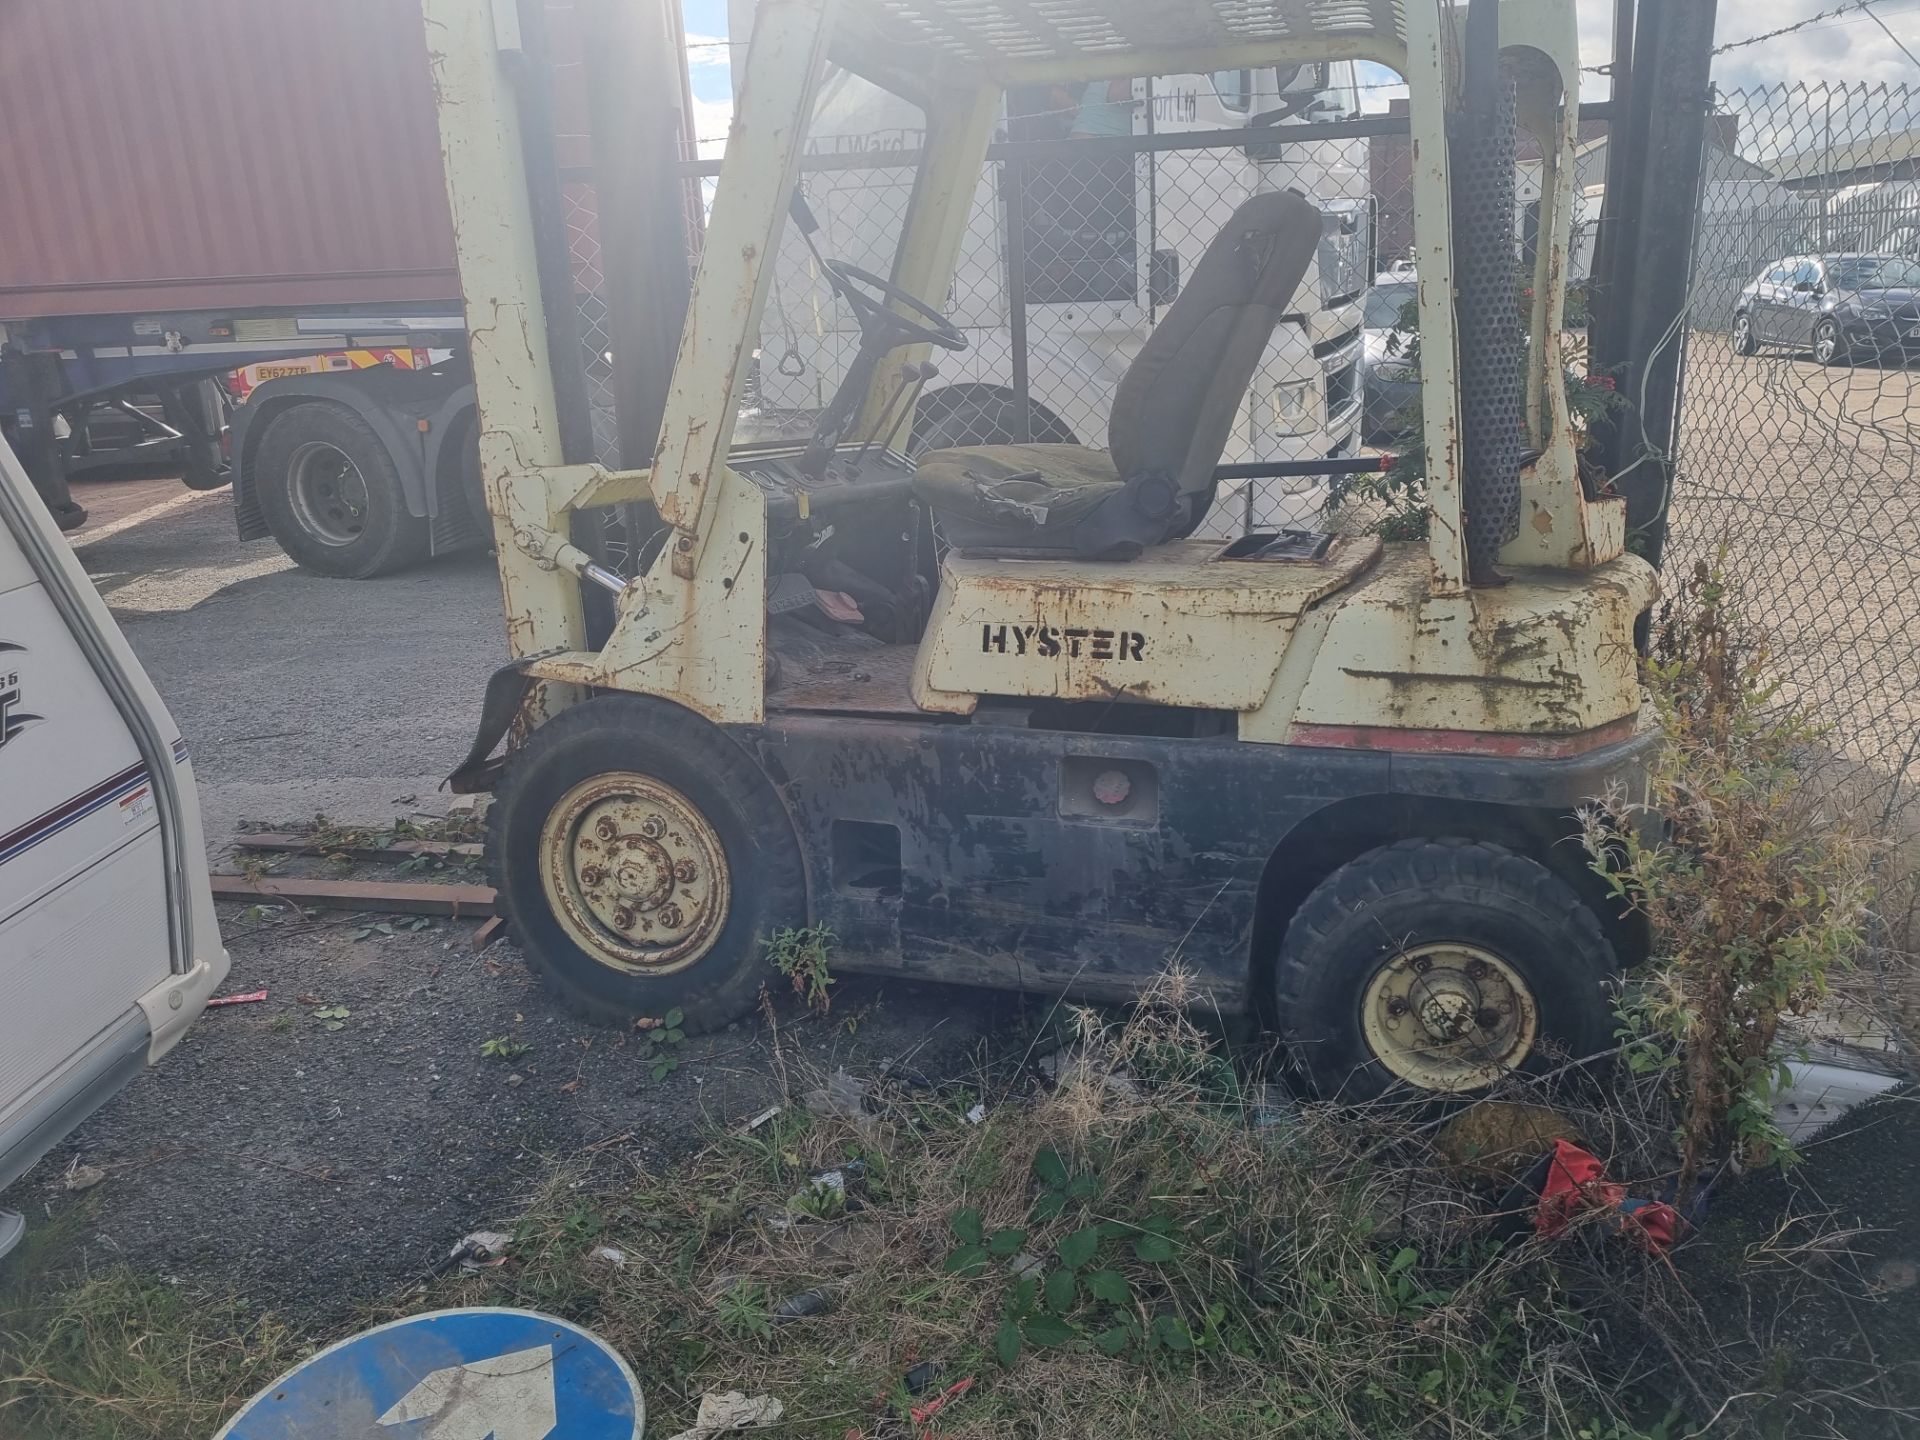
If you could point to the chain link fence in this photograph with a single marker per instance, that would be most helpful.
(1076, 246)
(1796, 451)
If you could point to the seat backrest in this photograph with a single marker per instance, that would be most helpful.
(1175, 406)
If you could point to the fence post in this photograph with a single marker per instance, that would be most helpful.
(1014, 175)
(1653, 156)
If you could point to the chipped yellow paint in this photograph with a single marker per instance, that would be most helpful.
(506, 329)
(1550, 654)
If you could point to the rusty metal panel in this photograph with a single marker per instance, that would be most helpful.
(218, 154)
(1549, 654)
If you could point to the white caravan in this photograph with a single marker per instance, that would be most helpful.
(109, 946)
(1108, 237)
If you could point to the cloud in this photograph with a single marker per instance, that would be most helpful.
(708, 50)
(710, 121)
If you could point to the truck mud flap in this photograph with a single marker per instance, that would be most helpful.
(507, 691)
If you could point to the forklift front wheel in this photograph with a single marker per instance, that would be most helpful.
(1437, 967)
(641, 858)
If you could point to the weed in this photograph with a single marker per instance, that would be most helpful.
(503, 1047)
(742, 1312)
(802, 956)
(110, 1355)
(333, 1017)
(819, 1201)
(661, 1039)
(280, 1023)
(1119, 1262)
(1114, 1262)
(1754, 892)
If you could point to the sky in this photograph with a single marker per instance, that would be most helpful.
(1848, 48)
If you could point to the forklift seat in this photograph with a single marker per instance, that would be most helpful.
(1172, 413)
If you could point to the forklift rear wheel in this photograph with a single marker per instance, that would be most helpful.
(332, 496)
(642, 859)
(1437, 967)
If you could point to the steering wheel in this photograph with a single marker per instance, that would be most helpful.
(854, 284)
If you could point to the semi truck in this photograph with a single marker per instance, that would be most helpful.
(240, 185)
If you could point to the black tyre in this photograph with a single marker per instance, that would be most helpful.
(1436, 966)
(642, 859)
(332, 496)
(1743, 341)
(1828, 348)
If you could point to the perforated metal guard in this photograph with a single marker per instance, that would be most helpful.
(1493, 352)
(982, 32)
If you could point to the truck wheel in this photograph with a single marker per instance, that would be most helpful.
(642, 859)
(332, 495)
(1437, 966)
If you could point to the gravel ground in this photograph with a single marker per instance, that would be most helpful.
(311, 1168)
(1836, 1323)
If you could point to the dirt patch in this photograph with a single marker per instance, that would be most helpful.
(1812, 1277)
(308, 1167)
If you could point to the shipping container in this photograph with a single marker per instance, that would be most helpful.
(166, 155)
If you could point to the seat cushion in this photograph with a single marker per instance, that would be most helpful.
(1013, 495)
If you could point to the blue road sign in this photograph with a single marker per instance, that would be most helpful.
(453, 1375)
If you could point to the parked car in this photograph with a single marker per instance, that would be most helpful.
(1843, 308)
(1391, 371)
(109, 946)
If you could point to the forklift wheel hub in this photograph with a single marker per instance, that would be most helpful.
(635, 874)
(1449, 1017)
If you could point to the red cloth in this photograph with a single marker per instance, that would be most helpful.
(1576, 1181)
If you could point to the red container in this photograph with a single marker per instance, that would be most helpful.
(239, 155)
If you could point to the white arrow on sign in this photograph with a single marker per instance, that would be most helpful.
(505, 1397)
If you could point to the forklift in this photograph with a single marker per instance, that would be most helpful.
(990, 713)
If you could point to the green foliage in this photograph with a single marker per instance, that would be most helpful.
(503, 1047)
(101, 1352)
(1754, 890)
(802, 956)
(1198, 1277)
(660, 1040)
(819, 1201)
(743, 1311)
(1088, 1296)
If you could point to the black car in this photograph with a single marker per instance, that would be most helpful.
(1841, 307)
